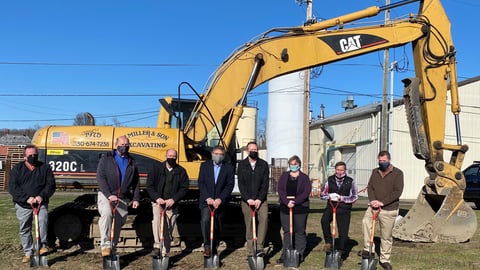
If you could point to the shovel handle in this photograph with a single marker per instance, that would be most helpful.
(113, 206)
(36, 209)
(162, 220)
(374, 219)
(291, 221)
(254, 227)
(334, 221)
(212, 215)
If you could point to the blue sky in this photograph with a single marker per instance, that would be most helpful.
(115, 59)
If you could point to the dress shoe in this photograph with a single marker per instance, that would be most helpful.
(175, 242)
(26, 259)
(365, 254)
(106, 251)
(327, 247)
(260, 253)
(207, 252)
(155, 252)
(386, 265)
(45, 250)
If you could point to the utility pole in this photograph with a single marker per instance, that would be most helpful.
(384, 117)
(306, 107)
(392, 67)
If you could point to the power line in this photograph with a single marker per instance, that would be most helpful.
(103, 64)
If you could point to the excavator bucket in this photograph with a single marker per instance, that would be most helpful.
(437, 218)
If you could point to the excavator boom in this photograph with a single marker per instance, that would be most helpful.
(440, 214)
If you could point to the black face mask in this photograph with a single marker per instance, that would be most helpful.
(122, 149)
(253, 154)
(172, 162)
(32, 159)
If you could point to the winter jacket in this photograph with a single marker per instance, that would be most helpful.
(108, 178)
(304, 188)
(156, 182)
(253, 183)
(25, 183)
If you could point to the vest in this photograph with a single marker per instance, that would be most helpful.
(344, 190)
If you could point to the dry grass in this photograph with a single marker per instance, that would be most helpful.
(406, 255)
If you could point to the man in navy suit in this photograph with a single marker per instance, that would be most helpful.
(216, 182)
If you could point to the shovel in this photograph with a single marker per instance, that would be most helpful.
(161, 262)
(255, 262)
(334, 259)
(112, 262)
(292, 256)
(37, 259)
(370, 263)
(211, 262)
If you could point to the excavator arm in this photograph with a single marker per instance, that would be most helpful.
(440, 214)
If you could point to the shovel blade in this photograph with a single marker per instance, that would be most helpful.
(38, 261)
(160, 263)
(333, 260)
(111, 262)
(369, 264)
(211, 262)
(255, 263)
(292, 258)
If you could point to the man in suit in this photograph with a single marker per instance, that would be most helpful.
(215, 182)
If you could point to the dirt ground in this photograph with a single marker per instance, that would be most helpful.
(233, 257)
(407, 255)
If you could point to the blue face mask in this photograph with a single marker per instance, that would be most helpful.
(383, 165)
(294, 168)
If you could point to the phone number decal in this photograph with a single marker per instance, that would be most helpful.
(91, 144)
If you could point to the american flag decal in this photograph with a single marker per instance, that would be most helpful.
(60, 137)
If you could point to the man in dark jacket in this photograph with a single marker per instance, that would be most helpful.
(253, 179)
(341, 192)
(167, 184)
(215, 181)
(118, 182)
(31, 185)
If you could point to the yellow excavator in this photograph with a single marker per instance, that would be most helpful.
(194, 126)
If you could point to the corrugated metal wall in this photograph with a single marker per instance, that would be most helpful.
(363, 131)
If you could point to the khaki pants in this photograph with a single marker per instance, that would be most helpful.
(386, 221)
(105, 220)
(262, 221)
(169, 224)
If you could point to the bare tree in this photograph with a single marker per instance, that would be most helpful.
(115, 122)
(84, 119)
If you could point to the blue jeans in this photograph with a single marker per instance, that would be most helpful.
(25, 216)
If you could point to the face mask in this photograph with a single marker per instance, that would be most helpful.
(294, 168)
(32, 159)
(172, 162)
(339, 176)
(383, 165)
(123, 149)
(217, 158)
(253, 155)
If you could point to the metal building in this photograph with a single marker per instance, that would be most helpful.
(353, 137)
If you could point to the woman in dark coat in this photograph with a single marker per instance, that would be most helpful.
(294, 189)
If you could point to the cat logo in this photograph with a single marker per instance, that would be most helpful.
(343, 43)
(350, 44)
